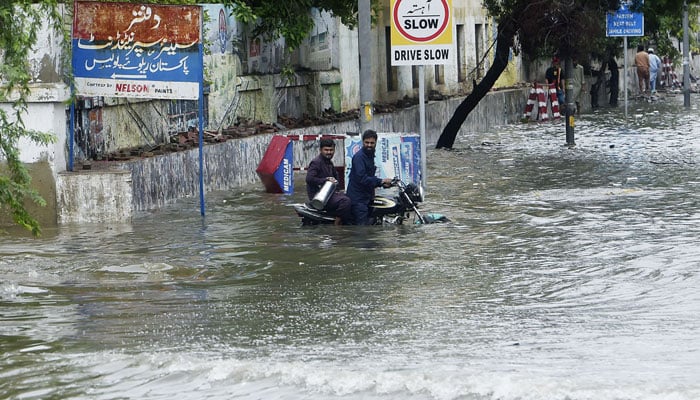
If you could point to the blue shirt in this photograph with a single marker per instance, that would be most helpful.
(654, 62)
(363, 181)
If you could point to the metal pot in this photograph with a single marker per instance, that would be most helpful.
(321, 198)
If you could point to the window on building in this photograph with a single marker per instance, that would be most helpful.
(478, 47)
(439, 74)
(461, 60)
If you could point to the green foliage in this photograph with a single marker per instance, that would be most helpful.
(15, 186)
(576, 28)
(291, 19)
(21, 21)
(661, 25)
(546, 27)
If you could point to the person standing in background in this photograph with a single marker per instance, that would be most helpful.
(641, 60)
(614, 82)
(654, 66)
(553, 77)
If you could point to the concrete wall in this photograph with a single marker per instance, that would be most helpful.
(44, 182)
(94, 197)
(162, 179)
(44, 162)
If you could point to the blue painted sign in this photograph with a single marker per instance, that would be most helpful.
(624, 22)
(131, 50)
(284, 175)
(396, 155)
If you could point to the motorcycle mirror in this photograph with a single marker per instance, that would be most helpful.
(422, 192)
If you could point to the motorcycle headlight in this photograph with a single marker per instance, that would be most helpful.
(415, 192)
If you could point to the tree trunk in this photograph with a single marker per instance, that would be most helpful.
(504, 42)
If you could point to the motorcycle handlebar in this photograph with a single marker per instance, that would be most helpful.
(396, 181)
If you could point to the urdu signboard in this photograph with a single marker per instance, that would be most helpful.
(421, 32)
(137, 50)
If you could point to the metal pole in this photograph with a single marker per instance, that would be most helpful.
(423, 146)
(570, 104)
(201, 149)
(624, 77)
(365, 49)
(686, 58)
(71, 136)
(201, 130)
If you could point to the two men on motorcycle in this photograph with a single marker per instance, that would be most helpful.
(353, 207)
(359, 206)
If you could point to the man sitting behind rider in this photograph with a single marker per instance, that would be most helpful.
(321, 169)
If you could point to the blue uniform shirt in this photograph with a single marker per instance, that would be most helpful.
(362, 180)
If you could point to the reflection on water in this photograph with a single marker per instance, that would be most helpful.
(566, 273)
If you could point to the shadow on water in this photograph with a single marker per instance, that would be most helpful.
(566, 273)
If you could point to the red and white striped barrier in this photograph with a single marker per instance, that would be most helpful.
(554, 100)
(539, 96)
(669, 78)
(531, 100)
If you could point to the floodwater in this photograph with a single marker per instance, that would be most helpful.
(566, 273)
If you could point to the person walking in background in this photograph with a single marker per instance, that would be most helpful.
(553, 77)
(322, 170)
(641, 60)
(654, 66)
(363, 179)
(614, 82)
(579, 83)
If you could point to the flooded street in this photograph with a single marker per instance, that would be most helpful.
(566, 273)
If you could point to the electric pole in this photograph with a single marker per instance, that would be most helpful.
(364, 26)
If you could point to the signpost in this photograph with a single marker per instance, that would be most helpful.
(131, 50)
(625, 23)
(142, 51)
(421, 34)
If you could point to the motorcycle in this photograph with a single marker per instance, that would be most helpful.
(384, 211)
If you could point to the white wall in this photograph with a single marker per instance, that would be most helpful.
(46, 109)
(46, 113)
